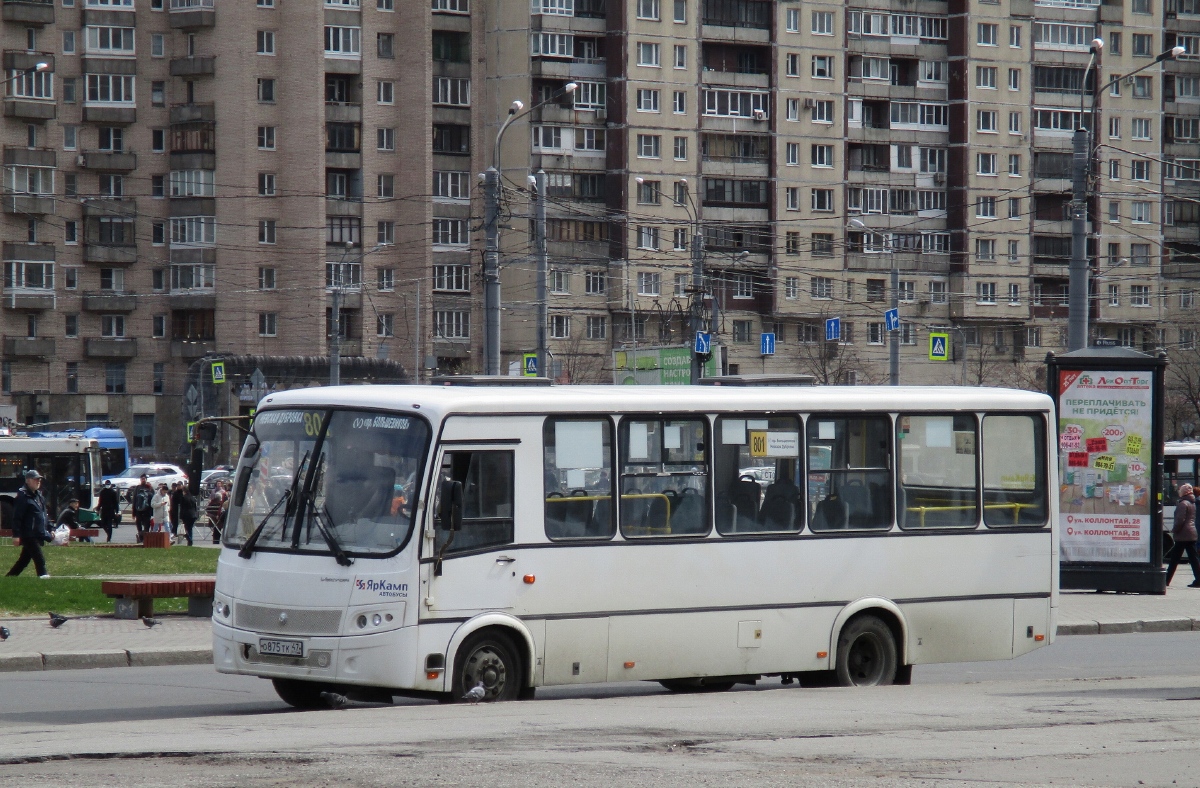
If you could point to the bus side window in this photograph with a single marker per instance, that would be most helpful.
(487, 481)
(664, 477)
(577, 474)
(849, 474)
(756, 474)
(937, 486)
(1014, 470)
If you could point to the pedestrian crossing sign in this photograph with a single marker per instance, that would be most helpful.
(529, 361)
(218, 372)
(939, 347)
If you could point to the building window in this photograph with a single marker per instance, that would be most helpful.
(450, 232)
(986, 120)
(680, 12)
(742, 330)
(822, 288)
(822, 156)
(647, 237)
(266, 90)
(822, 200)
(647, 100)
(822, 23)
(648, 9)
(560, 326)
(985, 250)
(985, 163)
(822, 111)
(1140, 212)
(679, 103)
(987, 34)
(1139, 295)
(647, 54)
(680, 53)
(649, 146)
(985, 77)
(597, 327)
(385, 139)
(1141, 128)
(266, 138)
(266, 42)
(266, 231)
(266, 278)
(1014, 164)
(985, 208)
(793, 198)
(114, 378)
(680, 150)
(267, 324)
(649, 283)
(985, 292)
(560, 281)
(160, 377)
(822, 67)
(595, 283)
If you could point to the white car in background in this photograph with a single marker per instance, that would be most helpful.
(157, 473)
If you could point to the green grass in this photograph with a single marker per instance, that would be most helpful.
(74, 586)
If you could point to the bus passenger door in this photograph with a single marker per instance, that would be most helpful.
(469, 570)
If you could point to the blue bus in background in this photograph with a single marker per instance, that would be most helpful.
(114, 447)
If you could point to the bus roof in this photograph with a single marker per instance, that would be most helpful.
(46, 444)
(1184, 448)
(440, 401)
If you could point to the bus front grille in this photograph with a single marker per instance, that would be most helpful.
(287, 620)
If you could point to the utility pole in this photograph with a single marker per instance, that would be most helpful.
(1077, 305)
(697, 298)
(491, 271)
(335, 338)
(894, 340)
(543, 264)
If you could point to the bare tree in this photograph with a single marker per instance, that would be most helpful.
(582, 361)
(832, 363)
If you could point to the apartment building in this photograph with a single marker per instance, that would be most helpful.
(815, 146)
(188, 179)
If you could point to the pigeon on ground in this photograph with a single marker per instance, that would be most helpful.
(334, 700)
(476, 693)
(4, 633)
(57, 621)
(150, 622)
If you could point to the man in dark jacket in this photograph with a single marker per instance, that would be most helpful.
(30, 525)
(189, 510)
(109, 506)
(70, 518)
(143, 509)
(176, 498)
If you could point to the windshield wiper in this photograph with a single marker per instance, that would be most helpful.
(248, 548)
(323, 525)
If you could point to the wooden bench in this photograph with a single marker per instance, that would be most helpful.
(76, 533)
(135, 598)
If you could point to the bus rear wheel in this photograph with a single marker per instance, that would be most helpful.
(866, 655)
(300, 694)
(487, 660)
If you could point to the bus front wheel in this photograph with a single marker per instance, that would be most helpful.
(487, 660)
(300, 694)
(866, 655)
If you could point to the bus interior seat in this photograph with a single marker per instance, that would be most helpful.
(577, 514)
(745, 495)
(858, 502)
(633, 511)
(831, 513)
(778, 513)
(688, 516)
(656, 519)
(726, 514)
(361, 494)
(600, 523)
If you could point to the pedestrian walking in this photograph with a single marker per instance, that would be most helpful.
(161, 504)
(110, 507)
(29, 522)
(142, 498)
(1184, 534)
(176, 496)
(189, 511)
(70, 518)
(216, 509)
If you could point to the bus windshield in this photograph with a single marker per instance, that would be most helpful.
(353, 473)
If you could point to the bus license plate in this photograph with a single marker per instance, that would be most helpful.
(281, 648)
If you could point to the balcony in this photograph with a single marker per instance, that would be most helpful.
(112, 114)
(30, 299)
(109, 160)
(28, 203)
(904, 261)
(30, 12)
(110, 347)
(113, 254)
(193, 14)
(110, 302)
(342, 112)
(35, 253)
(29, 109)
(192, 348)
(28, 347)
(193, 66)
(30, 157)
(109, 206)
(193, 113)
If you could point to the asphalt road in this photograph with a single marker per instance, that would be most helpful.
(1106, 710)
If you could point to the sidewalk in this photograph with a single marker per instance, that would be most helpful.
(105, 642)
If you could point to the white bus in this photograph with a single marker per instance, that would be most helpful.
(71, 465)
(1181, 460)
(430, 540)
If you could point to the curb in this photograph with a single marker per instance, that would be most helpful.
(1130, 627)
(108, 658)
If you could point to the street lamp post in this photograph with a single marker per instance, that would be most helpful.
(1081, 170)
(21, 75)
(491, 227)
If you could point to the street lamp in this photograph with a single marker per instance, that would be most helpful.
(36, 68)
(491, 225)
(894, 338)
(697, 289)
(1081, 169)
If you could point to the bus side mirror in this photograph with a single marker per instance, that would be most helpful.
(450, 511)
